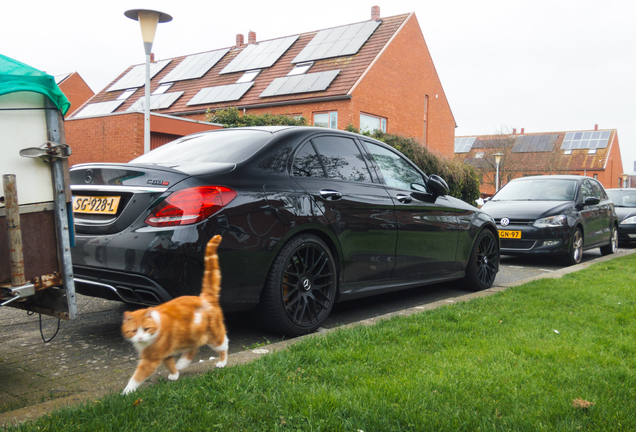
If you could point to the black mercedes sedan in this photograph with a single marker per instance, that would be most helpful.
(624, 200)
(309, 216)
(559, 215)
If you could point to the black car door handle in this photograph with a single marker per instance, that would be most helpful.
(404, 198)
(329, 194)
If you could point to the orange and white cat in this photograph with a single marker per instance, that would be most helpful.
(181, 325)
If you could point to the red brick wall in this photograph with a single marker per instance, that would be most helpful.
(114, 138)
(613, 167)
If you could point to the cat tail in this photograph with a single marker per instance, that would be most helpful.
(211, 284)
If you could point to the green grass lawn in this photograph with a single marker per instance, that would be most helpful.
(553, 355)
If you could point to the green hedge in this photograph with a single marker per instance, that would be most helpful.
(232, 117)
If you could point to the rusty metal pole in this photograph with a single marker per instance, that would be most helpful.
(14, 234)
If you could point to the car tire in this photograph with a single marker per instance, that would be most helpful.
(483, 263)
(576, 248)
(613, 244)
(300, 290)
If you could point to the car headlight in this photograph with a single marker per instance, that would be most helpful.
(629, 221)
(551, 222)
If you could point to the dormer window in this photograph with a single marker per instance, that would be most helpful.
(249, 76)
(300, 68)
(162, 89)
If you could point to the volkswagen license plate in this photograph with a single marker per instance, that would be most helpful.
(510, 234)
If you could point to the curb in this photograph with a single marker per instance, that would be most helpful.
(35, 411)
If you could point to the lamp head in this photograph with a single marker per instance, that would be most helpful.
(148, 20)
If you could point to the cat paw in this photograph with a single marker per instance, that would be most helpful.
(182, 364)
(174, 376)
(131, 387)
(221, 364)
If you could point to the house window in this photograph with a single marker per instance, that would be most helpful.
(479, 155)
(300, 68)
(326, 120)
(125, 95)
(248, 76)
(162, 89)
(596, 176)
(370, 123)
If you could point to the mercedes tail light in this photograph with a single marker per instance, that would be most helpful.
(190, 206)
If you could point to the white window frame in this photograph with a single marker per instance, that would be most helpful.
(331, 119)
(382, 122)
(126, 94)
(300, 68)
(248, 76)
(162, 89)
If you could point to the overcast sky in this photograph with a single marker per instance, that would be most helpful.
(542, 65)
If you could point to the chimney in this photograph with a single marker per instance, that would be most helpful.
(595, 127)
(152, 57)
(251, 37)
(514, 131)
(239, 40)
(522, 129)
(375, 13)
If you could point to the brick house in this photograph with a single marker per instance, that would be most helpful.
(375, 74)
(75, 89)
(593, 153)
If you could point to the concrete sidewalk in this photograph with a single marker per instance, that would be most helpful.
(88, 370)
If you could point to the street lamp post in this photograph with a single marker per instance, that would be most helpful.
(148, 20)
(497, 160)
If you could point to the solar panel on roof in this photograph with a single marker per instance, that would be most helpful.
(194, 66)
(259, 55)
(534, 143)
(337, 42)
(222, 93)
(586, 140)
(99, 108)
(136, 77)
(159, 101)
(464, 144)
(318, 81)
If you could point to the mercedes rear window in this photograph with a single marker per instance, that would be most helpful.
(224, 146)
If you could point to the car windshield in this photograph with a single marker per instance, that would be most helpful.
(224, 146)
(622, 198)
(537, 190)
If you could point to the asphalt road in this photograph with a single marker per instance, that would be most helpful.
(89, 353)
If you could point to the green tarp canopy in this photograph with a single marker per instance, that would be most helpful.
(16, 77)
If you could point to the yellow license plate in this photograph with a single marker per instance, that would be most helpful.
(95, 205)
(510, 234)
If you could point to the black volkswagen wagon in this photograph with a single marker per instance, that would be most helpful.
(309, 216)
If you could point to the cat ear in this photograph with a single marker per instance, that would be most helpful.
(127, 316)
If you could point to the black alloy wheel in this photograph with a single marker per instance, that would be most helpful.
(483, 263)
(301, 288)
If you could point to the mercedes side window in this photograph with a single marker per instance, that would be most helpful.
(397, 172)
(342, 159)
(306, 163)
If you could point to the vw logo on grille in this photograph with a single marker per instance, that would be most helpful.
(505, 222)
(88, 178)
